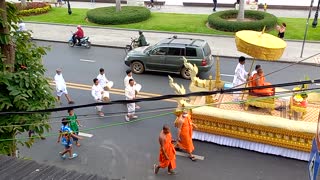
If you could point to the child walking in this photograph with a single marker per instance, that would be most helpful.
(74, 124)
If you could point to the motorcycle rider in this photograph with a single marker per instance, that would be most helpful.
(78, 35)
(142, 40)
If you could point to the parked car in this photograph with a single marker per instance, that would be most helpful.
(167, 56)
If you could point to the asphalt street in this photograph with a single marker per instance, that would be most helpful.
(129, 150)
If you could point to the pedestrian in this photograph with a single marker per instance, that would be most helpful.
(167, 154)
(137, 87)
(65, 134)
(240, 77)
(255, 70)
(74, 124)
(184, 135)
(130, 94)
(97, 93)
(103, 81)
(127, 78)
(281, 30)
(214, 5)
(61, 86)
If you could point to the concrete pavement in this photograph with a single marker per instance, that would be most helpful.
(111, 37)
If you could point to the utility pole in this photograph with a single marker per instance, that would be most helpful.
(306, 31)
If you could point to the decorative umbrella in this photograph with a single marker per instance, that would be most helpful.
(260, 45)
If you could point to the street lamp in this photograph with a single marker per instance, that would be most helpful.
(69, 8)
(307, 25)
(315, 20)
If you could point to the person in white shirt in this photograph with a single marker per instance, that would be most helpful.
(97, 92)
(255, 70)
(127, 78)
(130, 94)
(240, 77)
(61, 86)
(102, 78)
(136, 86)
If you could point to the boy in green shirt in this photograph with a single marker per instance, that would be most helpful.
(74, 124)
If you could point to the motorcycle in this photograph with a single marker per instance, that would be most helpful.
(134, 44)
(83, 42)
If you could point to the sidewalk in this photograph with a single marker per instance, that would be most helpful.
(195, 10)
(110, 37)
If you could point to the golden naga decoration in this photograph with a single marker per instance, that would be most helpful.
(198, 84)
(178, 89)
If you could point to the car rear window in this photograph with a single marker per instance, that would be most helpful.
(206, 50)
(191, 52)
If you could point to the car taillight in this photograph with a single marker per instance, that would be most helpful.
(203, 62)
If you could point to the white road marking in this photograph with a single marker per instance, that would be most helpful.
(85, 134)
(228, 75)
(187, 155)
(87, 60)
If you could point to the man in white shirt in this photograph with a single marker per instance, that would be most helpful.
(136, 86)
(240, 77)
(127, 78)
(102, 78)
(130, 94)
(61, 86)
(97, 92)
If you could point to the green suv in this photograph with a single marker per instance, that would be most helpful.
(167, 56)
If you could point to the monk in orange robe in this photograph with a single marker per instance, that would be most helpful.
(167, 156)
(258, 79)
(185, 128)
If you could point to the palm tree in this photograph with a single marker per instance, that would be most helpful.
(241, 11)
(118, 5)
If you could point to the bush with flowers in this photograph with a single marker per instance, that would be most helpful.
(33, 8)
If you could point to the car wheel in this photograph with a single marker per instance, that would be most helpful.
(137, 67)
(185, 73)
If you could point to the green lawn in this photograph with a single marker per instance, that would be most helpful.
(192, 23)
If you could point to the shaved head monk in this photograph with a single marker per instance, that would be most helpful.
(167, 156)
(185, 128)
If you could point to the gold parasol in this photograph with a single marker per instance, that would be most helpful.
(260, 45)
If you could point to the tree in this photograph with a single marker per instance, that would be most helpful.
(23, 86)
(118, 5)
(241, 11)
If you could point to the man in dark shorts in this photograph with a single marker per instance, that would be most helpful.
(151, 3)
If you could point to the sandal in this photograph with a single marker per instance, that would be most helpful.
(172, 173)
(192, 158)
(155, 169)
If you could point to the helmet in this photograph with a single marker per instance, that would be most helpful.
(78, 26)
(140, 32)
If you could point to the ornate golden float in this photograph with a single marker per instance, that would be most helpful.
(222, 122)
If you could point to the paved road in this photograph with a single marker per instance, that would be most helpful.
(112, 60)
(129, 150)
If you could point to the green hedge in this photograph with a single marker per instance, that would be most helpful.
(35, 11)
(220, 21)
(127, 15)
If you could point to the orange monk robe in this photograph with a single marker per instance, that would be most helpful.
(185, 142)
(261, 79)
(171, 153)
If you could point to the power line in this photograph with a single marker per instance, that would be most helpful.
(116, 114)
(170, 96)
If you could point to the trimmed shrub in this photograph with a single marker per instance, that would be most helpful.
(127, 15)
(33, 8)
(220, 21)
